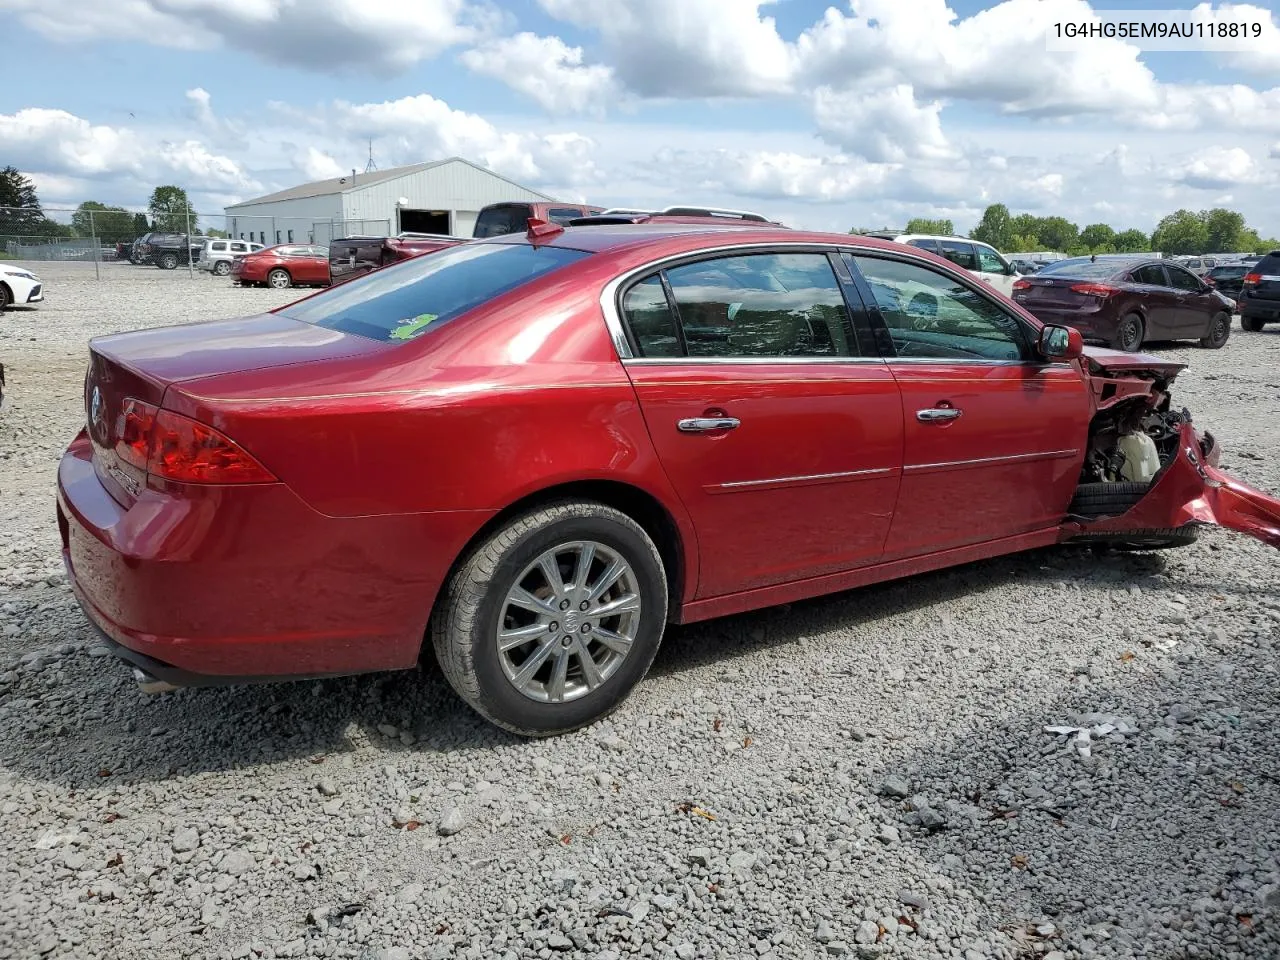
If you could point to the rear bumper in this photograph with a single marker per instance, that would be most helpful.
(231, 584)
(1092, 322)
(1253, 307)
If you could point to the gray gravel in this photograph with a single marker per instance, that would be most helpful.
(865, 775)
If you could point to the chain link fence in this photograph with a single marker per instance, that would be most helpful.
(110, 236)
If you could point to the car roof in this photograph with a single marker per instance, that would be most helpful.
(609, 237)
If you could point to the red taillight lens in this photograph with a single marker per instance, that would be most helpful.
(190, 452)
(1210, 281)
(135, 433)
(168, 445)
(1094, 289)
(1252, 279)
(1023, 284)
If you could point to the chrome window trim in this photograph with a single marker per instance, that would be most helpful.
(618, 333)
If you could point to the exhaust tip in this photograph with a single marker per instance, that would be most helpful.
(149, 684)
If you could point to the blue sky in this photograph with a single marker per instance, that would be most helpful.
(828, 115)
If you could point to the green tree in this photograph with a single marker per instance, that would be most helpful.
(1057, 233)
(140, 225)
(168, 209)
(1097, 235)
(1022, 243)
(1225, 229)
(944, 228)
(1024, 225)
(20, 213)
(1131, 241)
(108, 224)
(995, 227)
(1180, 233)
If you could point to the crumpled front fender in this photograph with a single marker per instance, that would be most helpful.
(1190, 490)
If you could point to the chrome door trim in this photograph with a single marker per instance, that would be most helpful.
(981, 461)
(779, 481)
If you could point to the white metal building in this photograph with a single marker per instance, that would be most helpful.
(443, 196)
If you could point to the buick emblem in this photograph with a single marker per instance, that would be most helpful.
(97, 414)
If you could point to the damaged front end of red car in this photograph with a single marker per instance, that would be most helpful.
(1124, 498)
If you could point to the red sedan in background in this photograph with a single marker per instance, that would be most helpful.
(533, 452)
(282, 266)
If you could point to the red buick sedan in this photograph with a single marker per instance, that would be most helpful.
(283, 266)
(532, 453)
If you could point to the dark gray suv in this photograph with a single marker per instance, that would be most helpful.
(1260, 294)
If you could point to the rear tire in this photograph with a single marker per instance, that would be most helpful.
(1129, 334)
(6, 297)
(1252, 324)
(1219, 332)
(279, 279)
(221, 268)
(168, 261)
(1098, 500)
(478, 605)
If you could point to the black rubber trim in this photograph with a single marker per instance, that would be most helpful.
(185, 678)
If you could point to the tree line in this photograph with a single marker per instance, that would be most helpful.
(1182, 232)
(21, 214)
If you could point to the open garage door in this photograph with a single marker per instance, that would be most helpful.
(425, 221)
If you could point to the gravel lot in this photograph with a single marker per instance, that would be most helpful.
(864, 775)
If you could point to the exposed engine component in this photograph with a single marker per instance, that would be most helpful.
(1140, 459)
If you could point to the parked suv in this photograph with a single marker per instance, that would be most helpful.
(1227, 278)
(978, 258)
(216, 255)
(168, 250)
(501, 218)
(1260, 295)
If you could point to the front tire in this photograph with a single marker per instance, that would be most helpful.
(550, 623)
(1094, 501)
(279, 279)
(1130, 334)
(1252, 324)
(1219, 332)
(221, 268)
(6, 297)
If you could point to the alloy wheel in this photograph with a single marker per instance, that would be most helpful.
(568, 621)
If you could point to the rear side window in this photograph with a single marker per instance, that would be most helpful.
(407, 299)
(930, 245)
(961, 254)
(652, 323)
(563, 214)
(499, 221)
(1151, 274)
(761, 305)
(219, 246)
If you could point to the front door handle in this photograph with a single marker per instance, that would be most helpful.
(707, 424)
(937, 414)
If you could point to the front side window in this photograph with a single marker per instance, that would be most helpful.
(960, 253)
(406, 299)
(1181, 280)
(761, 305)
(989, 261)
(932, 316)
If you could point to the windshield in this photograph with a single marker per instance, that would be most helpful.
(403, 301)
(1083, 267)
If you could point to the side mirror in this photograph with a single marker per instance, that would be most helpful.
(1060, 343)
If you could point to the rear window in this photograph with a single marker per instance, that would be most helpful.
(1218, 272)
(405, 300)
(501, 220)
(1082, 267)
(1268, 266)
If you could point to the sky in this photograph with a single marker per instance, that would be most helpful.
(862, 113)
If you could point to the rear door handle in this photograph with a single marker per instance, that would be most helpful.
(707, 424)
(937, 414)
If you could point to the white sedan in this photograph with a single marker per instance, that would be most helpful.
(18, 286)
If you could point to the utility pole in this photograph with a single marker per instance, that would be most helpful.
(191, 267)
(97, 253)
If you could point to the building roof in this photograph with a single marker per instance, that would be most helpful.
(345, 184)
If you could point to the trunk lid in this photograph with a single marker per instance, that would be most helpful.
(141, 365)
(1117, 361)
(1047, 291)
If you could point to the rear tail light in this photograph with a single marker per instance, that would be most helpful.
(173, 447)
(1252, 279)
(1094, 289)
(1022, 284)
(1210, 281)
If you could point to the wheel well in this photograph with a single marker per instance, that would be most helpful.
(642, 507)
(7, 289)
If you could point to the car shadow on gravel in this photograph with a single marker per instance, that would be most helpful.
(103, 730)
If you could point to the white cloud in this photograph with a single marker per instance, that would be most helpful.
(1216, 168)
(548, 71)
(881, 124)
(686, 48)
(381, 36)
(55, 142)
(317, 165)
